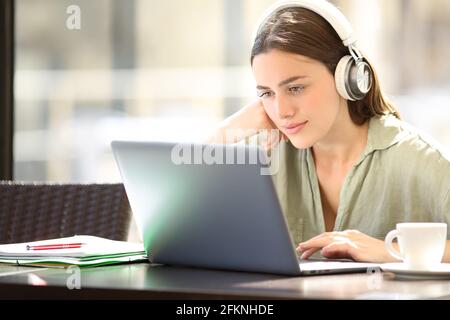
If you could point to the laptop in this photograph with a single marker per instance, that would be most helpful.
(210, 206)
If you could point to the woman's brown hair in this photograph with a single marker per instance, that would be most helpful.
(301, 31)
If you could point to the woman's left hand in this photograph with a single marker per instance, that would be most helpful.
(349, 244)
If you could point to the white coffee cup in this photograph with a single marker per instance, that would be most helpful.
(422, 244)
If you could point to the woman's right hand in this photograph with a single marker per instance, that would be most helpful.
(248, 121)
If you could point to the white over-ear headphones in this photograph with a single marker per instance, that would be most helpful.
(353, 75)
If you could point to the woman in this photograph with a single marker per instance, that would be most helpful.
(350, 170)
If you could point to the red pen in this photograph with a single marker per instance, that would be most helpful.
(55, 246)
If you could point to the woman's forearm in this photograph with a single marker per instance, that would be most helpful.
(242, 124)
(228, 133)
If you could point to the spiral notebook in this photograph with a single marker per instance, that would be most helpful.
(79, 250)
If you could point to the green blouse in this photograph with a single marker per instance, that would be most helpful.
(401, 177)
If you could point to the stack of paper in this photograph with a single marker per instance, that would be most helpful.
(83, 251)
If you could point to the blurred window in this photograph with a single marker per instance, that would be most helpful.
(90, 71)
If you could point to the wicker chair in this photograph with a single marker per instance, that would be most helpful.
(37, 211)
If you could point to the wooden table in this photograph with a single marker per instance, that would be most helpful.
(147, 281)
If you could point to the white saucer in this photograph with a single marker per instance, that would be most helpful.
(402, 271)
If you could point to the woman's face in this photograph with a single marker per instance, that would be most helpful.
(299, 95)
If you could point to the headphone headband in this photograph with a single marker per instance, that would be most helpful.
(323, 8)
(353, 76)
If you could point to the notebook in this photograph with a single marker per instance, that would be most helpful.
(79, 250)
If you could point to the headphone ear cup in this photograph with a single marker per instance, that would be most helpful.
(353, 78)
(341, 76)
(359, 79)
